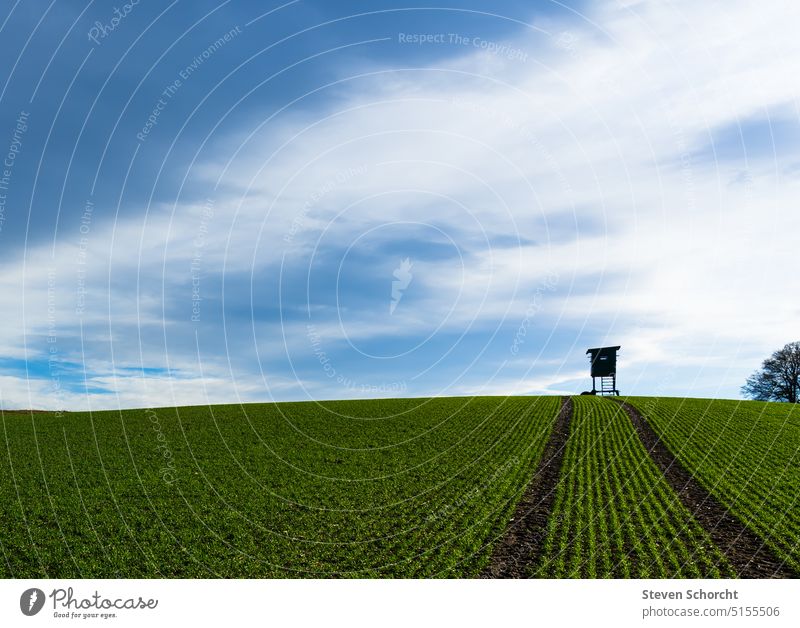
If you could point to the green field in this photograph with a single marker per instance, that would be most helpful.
(383, 488)
(615, 515)
(746, 454)
(414, 487)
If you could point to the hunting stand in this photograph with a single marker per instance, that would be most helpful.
(604, 366)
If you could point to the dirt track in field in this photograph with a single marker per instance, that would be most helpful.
(521, 545)
(746, 552)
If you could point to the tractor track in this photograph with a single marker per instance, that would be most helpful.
(521, 546)
(746, 552)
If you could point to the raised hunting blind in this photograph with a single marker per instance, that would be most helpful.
(604, 366)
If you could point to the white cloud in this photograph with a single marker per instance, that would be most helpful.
(601, 123)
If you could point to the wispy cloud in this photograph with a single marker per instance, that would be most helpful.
(639, 156)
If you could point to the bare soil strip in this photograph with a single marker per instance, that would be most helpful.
(521, 545)
(746, 552)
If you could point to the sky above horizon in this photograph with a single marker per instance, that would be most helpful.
(222, 202)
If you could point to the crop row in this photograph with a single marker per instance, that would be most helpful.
(615, 515)
(746, 454)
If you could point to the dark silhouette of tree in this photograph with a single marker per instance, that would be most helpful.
(778, 379)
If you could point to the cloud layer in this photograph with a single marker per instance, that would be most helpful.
(625, 178)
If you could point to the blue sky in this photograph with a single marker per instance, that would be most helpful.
(213, 202)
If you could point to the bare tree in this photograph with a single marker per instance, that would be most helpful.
(778, 379)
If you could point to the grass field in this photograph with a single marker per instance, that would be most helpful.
(387, 488)
(746, 454)
(615, 516)
(371, 488)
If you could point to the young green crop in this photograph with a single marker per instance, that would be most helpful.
(402, 487)
(615, 515)
(745, 453)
